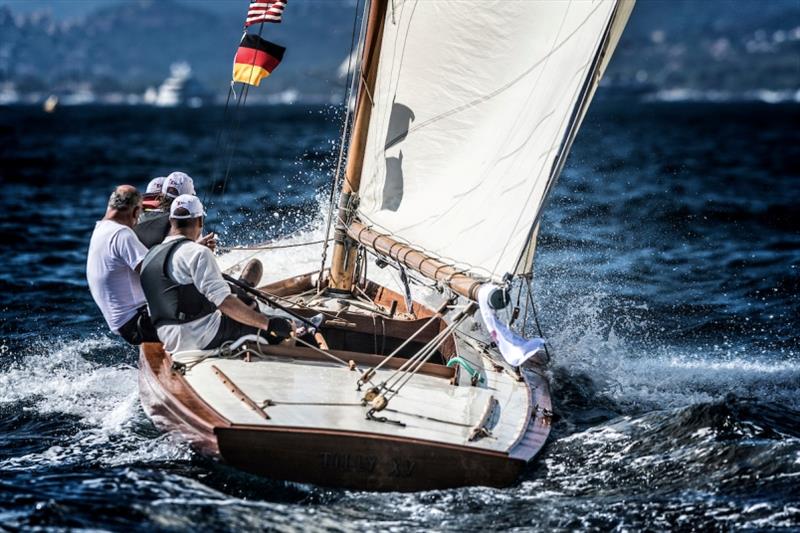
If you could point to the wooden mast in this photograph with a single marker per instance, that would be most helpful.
(343, 259)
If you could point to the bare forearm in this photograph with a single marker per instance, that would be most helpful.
(237, 310)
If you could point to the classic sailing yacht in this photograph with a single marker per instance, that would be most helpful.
(465, 114)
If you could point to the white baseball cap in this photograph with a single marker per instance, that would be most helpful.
(190, 203)
(178, 183)
(155, 185)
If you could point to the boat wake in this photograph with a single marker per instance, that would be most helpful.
(90, 408)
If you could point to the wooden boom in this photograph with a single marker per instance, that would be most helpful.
(459, 282)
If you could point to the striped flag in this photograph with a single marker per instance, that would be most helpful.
(256, 59)
(265, 11)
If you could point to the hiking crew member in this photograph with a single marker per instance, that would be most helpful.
(152, 229)
(190, 303)
(112, 266)
(151, 199)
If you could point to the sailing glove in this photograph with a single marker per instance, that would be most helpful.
(279, 329)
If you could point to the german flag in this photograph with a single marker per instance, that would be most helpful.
(256, 59)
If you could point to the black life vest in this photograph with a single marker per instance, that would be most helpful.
(152, 228)
(170, 302)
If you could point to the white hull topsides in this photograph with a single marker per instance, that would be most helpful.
(322, 395)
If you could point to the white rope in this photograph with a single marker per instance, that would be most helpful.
(274, 246)
(323, 352)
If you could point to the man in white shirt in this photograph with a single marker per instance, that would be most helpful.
(190, 303)
(112, 266)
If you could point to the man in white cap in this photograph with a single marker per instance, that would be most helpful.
(112, 266)
(154, 228)
(178, 183)
(190, 303)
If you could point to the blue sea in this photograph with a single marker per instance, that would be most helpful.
(667, 282)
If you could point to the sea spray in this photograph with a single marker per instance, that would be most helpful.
(97, 403)
(635, 374)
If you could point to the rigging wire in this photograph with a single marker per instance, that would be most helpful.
(231, 135)
(321, 351)
(297, 303)
(224, 133)
(350, 82)
(412, 366)
(234, 137)
(536, 317)
(273, 246)
(222, 130)
(386, 359)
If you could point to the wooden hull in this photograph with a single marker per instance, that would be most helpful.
(361, 461)
(172, 404)
(328, 458)
(341, 449)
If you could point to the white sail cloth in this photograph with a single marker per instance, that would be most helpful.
(473, 103)
(514, 348)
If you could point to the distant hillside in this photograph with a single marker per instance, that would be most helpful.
(700, 45)
(710, 45)
(129, 47)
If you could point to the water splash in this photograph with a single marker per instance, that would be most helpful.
(636, 371)
(95, 404)
(58, 377)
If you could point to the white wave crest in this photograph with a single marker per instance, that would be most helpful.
(646, 374)
(57, 378)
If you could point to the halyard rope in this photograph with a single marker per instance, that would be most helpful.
(343, 141)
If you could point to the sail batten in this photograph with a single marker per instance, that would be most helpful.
(475, 106)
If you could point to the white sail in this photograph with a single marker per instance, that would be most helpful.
(620, 19)
(474, 108)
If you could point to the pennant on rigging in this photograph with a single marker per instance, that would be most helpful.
(514, 348)
(264, 11)
(256, 59)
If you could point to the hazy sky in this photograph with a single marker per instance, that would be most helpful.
(60, 8)
(78, 8)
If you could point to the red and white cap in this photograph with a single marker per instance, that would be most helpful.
(190, 204)
(155, 185)
(178, 183)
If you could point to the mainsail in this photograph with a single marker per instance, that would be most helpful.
(474, 109)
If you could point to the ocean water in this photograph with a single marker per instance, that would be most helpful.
(667, 282)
